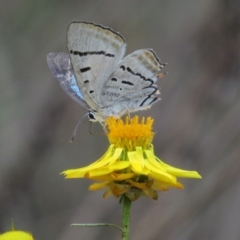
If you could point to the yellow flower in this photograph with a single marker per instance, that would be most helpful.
(130, 167)
(16, 235)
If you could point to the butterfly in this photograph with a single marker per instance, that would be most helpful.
(96, 74)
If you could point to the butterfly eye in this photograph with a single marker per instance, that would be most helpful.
(91, 116)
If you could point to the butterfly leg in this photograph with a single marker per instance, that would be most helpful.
(104, 126)
(124, 112)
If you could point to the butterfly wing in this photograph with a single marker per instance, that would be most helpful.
(132, 86)
(95, 52)
(60, 66)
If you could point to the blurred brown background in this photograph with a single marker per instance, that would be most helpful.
(197, 122)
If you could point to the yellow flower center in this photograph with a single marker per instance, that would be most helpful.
(131, 133)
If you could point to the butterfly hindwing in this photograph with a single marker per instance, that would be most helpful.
(140, 100)
(60, 66)
(131, 86)
(95, 52)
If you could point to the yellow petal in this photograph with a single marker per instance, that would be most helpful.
(139, 151)
(107, 154)
(116, 155)
(93, 169)
(159, 174)
(165, 186)
(108, 158)
(137, 184)
(97, 186)
(179, 172)
(163, 177)
(107, 177)
(119, 165)
(107, 193)
(144, 171)
(152, 159)
(114, 176)
(74, 173)
(122, 176)
(104, 160)
(97, 172)
(136, 161)
(169, 169)
(80, 172)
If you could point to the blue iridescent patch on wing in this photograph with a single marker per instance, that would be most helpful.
(60, 66)
(75, 88)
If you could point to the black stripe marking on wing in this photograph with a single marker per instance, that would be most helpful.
(137, 74)
(81, 54)
(82, 70)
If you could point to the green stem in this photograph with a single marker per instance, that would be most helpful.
(126, 218)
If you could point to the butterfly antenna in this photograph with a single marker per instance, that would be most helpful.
(82, 120)
(90, 131)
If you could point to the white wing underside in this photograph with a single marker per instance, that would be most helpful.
(131, 87)
(109, 83)
(95, 53)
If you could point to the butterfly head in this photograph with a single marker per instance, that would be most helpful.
(92, 117)
(95, 117)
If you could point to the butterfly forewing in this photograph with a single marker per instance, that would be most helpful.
(95, 52)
